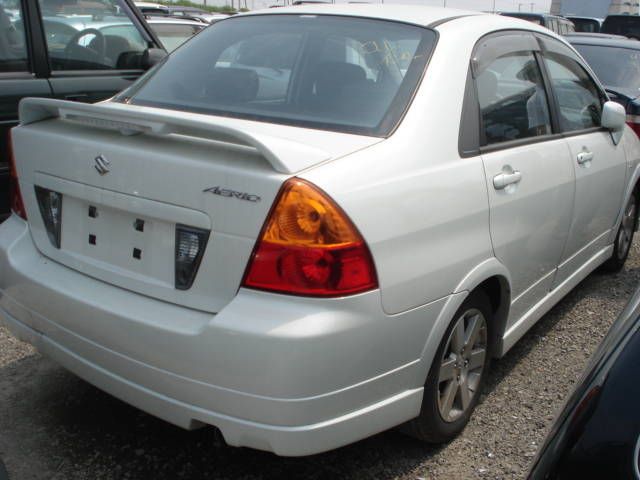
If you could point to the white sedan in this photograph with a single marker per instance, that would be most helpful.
(312, 224)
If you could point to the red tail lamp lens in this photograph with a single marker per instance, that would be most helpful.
(309, 246)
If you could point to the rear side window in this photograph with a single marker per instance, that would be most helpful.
(13, 46)
(512, 98)
(578, 97)
(338, 73)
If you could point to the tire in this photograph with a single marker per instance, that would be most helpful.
(434, 424)
(624, 237)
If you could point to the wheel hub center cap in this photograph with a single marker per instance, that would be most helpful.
(462, 367)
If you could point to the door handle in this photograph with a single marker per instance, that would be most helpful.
(584, 157)
(503, 180)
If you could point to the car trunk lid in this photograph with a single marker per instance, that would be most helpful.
(131, 177)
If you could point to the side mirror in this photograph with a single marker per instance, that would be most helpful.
(151, 57)
(614, 117)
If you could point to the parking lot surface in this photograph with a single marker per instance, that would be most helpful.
(55, 426)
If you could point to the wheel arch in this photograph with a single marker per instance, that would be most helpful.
(493, 278)
(490, 276)
(499, 292)
(633, 188)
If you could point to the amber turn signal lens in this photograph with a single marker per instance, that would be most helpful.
(309, 246)
(305, 216)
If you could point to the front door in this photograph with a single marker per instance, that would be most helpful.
(17, 80)
(94, 50)
(600, 165)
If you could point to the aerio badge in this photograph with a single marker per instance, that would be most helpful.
(225, 192)
(102, 164)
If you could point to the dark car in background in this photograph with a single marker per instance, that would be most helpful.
(586, 24)
(597, 434)
(616, 62)
(84, 50)
(627, 25)
(560, 25)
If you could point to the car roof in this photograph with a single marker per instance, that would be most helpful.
(623, 16)
(580, 17)
(415, 14)
(603, 41)
(531, 14)
(595, 35)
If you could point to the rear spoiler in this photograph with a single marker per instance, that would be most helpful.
(284, 155)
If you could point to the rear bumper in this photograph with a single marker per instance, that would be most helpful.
(295, 377)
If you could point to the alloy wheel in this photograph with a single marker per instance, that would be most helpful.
(626, 228)
(462, 365)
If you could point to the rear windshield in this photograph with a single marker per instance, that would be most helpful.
(615, 67)
(628, 26)
(586, 25)
(346, 74)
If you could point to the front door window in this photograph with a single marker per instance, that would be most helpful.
(90, 35)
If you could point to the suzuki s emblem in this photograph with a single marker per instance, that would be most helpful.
(101, 164)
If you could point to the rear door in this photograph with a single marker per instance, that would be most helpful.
(599, 165)
(95, 48)
(528, 171)
(18, 79)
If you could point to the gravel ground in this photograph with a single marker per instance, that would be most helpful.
(55, 426)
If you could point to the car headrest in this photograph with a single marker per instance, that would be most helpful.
(233, 85)
(333, 76)
(114, 46)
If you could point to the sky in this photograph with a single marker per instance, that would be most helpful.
(504, 5)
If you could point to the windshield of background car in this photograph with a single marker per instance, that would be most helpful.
(337, 73)
(629, 26)
(614, 66)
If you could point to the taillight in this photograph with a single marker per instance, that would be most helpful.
(50, 204)
(15, 197)
(634, 122)
(308, 246)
